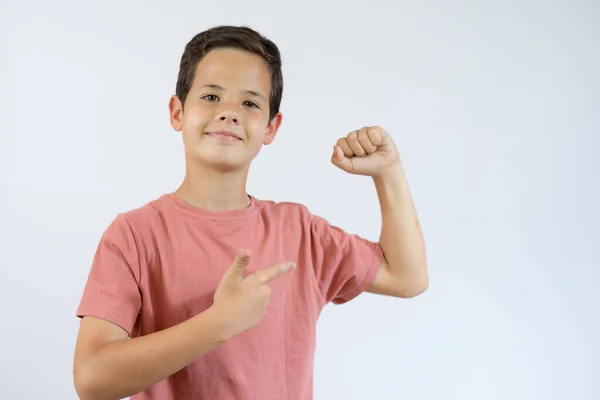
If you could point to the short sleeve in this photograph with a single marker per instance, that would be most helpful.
(345, 264)
(112, 291)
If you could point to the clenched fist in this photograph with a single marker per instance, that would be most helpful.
(367, 151)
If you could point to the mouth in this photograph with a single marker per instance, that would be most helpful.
(224, 135)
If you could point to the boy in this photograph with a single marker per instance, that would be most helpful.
(210, 293)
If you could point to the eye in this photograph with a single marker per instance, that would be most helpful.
(211, 98)
(251, 104)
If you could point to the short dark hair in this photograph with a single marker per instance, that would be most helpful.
(236, 37)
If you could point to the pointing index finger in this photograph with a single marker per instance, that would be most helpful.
(269, 274)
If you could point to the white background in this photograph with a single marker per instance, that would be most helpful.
(494, 106)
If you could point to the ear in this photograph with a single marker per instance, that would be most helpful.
(176, 113)
(272, 129)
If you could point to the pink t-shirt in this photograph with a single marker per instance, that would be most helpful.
(160, 264)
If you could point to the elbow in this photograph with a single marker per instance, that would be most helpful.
(416, 287)
(416, 290)
(411, 292)
(86, 385)
(83, 384)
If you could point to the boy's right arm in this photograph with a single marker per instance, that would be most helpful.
(108, 365)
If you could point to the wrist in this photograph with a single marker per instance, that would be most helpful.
(219, 323)
(390, 174)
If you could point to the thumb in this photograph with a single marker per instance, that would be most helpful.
(240, 263)
(340, 160)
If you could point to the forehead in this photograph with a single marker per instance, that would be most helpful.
(232, 68)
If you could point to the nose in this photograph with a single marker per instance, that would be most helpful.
(228, 116)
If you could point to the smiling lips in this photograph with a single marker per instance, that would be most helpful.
(224, 135)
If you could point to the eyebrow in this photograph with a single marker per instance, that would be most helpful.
(218, 87)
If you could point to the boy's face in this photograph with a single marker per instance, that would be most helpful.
(225, 120)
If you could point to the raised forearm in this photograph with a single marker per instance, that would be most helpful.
(401, 238)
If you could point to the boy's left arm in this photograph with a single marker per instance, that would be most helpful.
(371, 151)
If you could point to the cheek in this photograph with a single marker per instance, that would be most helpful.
(257, 123)
(195, 118)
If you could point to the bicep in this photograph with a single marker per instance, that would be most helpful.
(93, 334)
(387, 284)
(384, 282)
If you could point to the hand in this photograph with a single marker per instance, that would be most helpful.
(244, 300)
(368, 151)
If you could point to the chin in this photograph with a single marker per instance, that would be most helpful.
(218, 162)
(226, 166)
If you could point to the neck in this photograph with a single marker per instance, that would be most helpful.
(214, 190)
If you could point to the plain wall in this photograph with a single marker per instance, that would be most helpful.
(495, 109)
